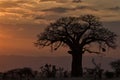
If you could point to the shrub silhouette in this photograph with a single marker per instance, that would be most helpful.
(18, 74)
(97, 70)
(116, 67)
(109, 74)
(49, 70)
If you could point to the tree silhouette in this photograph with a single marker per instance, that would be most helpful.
(98, 71)
(77, 33)
(49, 70)
(116, 67)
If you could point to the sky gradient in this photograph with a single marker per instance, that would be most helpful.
(22, 20)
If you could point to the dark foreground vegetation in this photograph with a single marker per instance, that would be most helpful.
(53, 72)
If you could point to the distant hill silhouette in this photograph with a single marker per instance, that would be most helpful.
(14, 61)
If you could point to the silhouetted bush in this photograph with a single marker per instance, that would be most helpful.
(18, 74)
(52, 71)
(48, 70)
(65, 74)
(109, 74)
(116, 67)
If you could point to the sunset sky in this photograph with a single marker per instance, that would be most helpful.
(22, 20)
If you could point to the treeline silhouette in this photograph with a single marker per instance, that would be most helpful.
(53, 71)
(26, 73)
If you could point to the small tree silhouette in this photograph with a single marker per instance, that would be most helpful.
(98, 71)
(77, 33)
(49, 70)
(116, 67)
(61, 71)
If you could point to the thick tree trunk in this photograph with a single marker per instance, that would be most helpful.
(77, 70)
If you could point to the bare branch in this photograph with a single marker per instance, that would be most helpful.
(91, 51)
(58, 45)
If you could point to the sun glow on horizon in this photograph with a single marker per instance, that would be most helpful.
(4, 34)
(1, 14)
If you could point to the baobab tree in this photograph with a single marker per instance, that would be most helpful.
(77, 33)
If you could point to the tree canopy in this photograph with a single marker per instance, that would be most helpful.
(77, 31)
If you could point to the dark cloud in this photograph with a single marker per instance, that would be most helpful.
(77, 1)
(85, 7)
(58, 9)
(64, 10)
(115, 8)
(59, 1)
(47, 17)
(46, 0)
(62, 0)
(56, 12)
